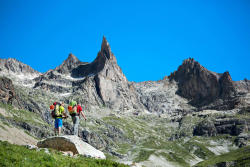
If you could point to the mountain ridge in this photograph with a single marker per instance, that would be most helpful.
(195, 83)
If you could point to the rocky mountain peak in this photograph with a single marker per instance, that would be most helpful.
(69, 64)
(227, 86)
(72, 58)
(190, 61)
(105, 44)
(104, 57)
(200, 85)
(12, 65)
(106, 50)
(226, 76)
(192, 65)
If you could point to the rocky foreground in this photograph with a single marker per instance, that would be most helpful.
(190, 116)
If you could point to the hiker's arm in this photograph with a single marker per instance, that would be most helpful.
(83, 115)
(64, 113)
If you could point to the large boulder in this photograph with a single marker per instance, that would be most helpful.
(73, 144)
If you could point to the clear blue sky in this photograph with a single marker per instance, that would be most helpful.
(150, 39)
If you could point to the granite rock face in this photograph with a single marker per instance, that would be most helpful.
(111, 84)
(202, 86)
(205, 128)
(231, 126)
(160, 97)
(68, 65)
(7, 92)
(242, 86)
(18, 72)
(15, 66)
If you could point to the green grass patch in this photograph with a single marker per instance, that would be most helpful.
(174, 158)
(123, 148)
(143, 155)
(240, 157)
(2, 127)
(131, 127)
(14, 155)
(23, 115)
(198, 149)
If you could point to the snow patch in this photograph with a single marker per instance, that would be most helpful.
(25, 80)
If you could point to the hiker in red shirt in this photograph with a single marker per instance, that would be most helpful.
(79, 110)
(75, 111)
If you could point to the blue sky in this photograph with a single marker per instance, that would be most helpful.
(150, 39)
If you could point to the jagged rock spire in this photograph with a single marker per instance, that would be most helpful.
(72, 59)
(106, 50)
(69, 64)
(105, 44)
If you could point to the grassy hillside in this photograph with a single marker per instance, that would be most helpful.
(237, 158)
(128, 138)
(14, 155)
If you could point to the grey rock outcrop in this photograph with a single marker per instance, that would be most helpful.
(242, 140)
(205, 128)
(243, 86)
(15, 66)
(68, 65)
(160, 97)
(231, 126)
(18, 72)
(7, 92)
(73, 144)
(202, 86)
(94, 139)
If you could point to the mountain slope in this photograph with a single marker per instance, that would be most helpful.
(239, 157)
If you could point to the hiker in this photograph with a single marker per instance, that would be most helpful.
(58, 113)
(75, 111)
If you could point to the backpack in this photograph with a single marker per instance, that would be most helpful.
(72, 108)
(56, 112)
(72, 103)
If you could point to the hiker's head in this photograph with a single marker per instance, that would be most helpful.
(62, 103)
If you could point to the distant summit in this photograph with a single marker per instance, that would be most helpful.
(200, 85)
(68, 65)
(11, 65)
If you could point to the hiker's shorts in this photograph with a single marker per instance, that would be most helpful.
(58, 122)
